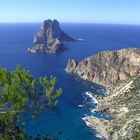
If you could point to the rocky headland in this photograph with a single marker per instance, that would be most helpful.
(50, 38)
(107, 68)
(119, 71)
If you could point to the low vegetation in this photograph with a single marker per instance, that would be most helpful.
(20, 94)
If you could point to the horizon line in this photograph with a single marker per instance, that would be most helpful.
(72, 23)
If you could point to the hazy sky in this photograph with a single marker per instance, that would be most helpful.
(90, 11)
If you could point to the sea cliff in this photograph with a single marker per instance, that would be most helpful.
(124, 106)
(119, 71)
(107, 68)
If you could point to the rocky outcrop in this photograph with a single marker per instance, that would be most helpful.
(124, 106)
(119, 71)
(109, 67)
(100, 128)
(71, 66)
(50, 38)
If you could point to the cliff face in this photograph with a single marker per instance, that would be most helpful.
(109, 67)
(120, 72)
(50, 38)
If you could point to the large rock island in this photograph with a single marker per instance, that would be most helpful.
(119, 71)
(50, 38)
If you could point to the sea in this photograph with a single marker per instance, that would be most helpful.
(77, 100)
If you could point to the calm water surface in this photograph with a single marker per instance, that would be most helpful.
(16, 38)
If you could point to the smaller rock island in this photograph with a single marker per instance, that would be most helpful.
(50, 38)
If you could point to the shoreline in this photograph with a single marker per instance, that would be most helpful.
(119, 72)
(120, 108)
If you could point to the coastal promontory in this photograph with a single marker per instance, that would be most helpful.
(119, 71)
(50, 38)
(108, 67)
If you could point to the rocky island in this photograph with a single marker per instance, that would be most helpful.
(119, 71)
(50, 38)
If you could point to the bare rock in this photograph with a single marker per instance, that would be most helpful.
(109, 67)
(50, 38)
(71, 66)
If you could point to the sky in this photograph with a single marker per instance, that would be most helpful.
(77, 11)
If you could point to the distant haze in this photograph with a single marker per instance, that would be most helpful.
(77, 11)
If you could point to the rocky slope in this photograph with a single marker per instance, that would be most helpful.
(124, 106)
(119, 71)
(50, 38)
(107, 68)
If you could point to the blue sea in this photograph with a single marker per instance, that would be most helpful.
(76, 102)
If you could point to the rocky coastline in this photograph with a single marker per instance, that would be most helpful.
(108, 67)
(50, 38)
(119, 71)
